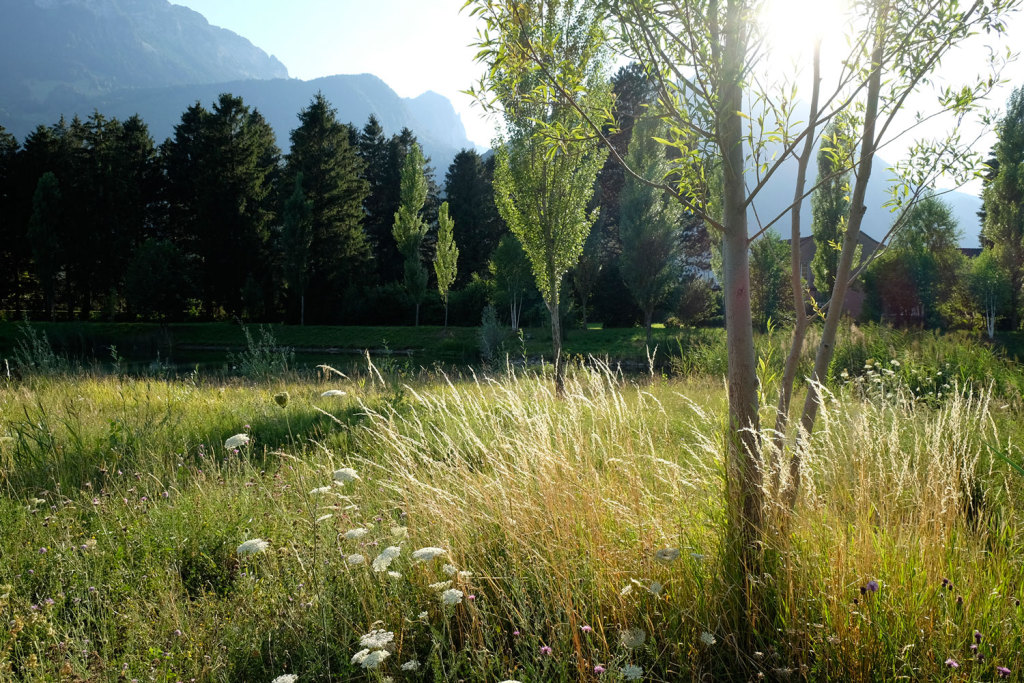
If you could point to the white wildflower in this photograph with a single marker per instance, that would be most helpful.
(345, 475)
(427, 554)
(666, 555)
(400, 532)
(376, 639)
(465, 575)
(355, 558)
(236, 441)
(356, 534)
(632, 672)
(373, 660)
(360, 657)
(320, 491)
(386, 557)
(287, 678)
(422, 615)
(450, 569)
(452, 596)
(252, 547)
(626, 590)
(332, 392)
(707, 638)
(632, 638)
(894, 363)
(411, 665)
(440, 585)
(395, 575)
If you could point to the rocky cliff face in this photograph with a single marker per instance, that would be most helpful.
(55, 51)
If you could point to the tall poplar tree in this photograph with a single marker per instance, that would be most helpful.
(409, 228)
(830, 204)
(446, 258)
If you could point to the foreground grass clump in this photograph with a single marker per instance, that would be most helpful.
(485, 530)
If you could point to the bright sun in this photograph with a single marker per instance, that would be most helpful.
(790, 28)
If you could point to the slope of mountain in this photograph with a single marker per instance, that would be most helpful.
(436, 124)
(55, 51)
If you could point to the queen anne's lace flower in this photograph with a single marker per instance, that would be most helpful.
(632, 672)
(440, 585)
(452, 596)
(236, 441)
(632, 638)
(356, 534)
(386, 557)
(376, 639)
(286, 678)
(373, 660)
(427, 554)
(666, 555)
(345, 475)
(411, 665)
(252, 547)
(355, 558)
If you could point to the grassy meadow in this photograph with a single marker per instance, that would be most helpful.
(471, 526)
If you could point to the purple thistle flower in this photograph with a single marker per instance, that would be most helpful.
(599, 669)
(1003, 672)
(974, 647)
(545, 650)
(952, 663)
(872, 586)
(48, 601)
(471, 597)
(516, 633)
(586, 628)
(977, 636)
(42, 551)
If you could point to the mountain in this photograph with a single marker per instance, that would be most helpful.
(56, 51)
(430, 116)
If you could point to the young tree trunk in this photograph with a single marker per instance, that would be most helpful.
(743, 456)
(302, 310)
(648, 324)
(795, 282)
(417, 318)
(446, 313)
(826, 348)
(556, 347)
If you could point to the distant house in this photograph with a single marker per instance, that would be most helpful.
(854, 303)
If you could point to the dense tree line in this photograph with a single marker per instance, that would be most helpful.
(98, 221)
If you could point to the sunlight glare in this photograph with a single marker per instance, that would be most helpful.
(790, 27)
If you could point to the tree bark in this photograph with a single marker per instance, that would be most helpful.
(556, 347)
(826, 347)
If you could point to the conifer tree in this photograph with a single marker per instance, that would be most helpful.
(43, 234)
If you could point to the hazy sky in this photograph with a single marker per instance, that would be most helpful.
(420, 45)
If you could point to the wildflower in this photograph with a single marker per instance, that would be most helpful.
(400, 532)
(471, 597)
(421, 615)
(281, 399)
(977, 636)
(43, 550)
(373, 660)
(320, 491)
(360, 657)
(376, 639)
(895, 363)
(707, 638)
(449, 569)
(545, 650)
(386, 557)
(1003, 672)
(626, 590)
(451, 596)
(236, 441)
(599, 669)
(440, 585)
(355, 558)
(345, 475)
(332, 392)
(586, 628)
(427, 554)
(287, 678)
(177, 633)
(356, 534)
(872, 586)
(90, 544)
(632, 638)
(395, 575)
(411, 665)
(252, 547)
(667, 555)
(631, 672)
(516, 633)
